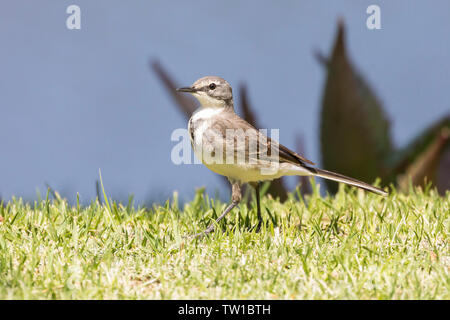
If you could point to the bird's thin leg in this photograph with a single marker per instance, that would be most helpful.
(235, 199)
(257, 185)
(211, 226)
(258, 206)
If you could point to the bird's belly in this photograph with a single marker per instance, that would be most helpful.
(243, 173)
(251, 172)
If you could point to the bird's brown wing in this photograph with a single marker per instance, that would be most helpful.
(290, 156)
(267, 147)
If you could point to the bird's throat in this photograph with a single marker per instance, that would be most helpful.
(210, 102)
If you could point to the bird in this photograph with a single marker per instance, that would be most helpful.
(230, 146)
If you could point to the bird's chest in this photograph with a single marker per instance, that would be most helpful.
(200, 125)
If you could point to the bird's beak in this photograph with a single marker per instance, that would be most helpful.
(186, 89)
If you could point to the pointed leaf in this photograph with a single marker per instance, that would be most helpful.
(354, 130)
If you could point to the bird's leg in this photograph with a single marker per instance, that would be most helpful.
(256, 185)
(235, 199)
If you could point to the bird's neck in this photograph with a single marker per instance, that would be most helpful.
(207, 102)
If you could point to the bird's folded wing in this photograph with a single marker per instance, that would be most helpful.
(290, 156)
(266, 149)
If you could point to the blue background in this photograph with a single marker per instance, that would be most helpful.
(74, 101)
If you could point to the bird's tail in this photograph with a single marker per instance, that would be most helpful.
(344, 179)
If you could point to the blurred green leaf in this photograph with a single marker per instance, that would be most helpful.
(420, 160)
(354, 130)
(355, 133)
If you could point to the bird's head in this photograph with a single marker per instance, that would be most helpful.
(211, 91)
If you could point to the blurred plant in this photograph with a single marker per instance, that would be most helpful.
(355, 132)
(424, 158)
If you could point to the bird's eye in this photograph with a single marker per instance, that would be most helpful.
(212, 86)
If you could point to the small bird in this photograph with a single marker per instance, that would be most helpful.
(230, 146)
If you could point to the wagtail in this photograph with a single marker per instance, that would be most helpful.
(230, 146)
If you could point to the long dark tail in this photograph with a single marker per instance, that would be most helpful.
(344, 179)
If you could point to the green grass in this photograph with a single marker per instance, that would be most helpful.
(349, 246)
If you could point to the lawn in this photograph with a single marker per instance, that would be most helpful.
(353, 245)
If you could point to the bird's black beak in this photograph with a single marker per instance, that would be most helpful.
(186, 89)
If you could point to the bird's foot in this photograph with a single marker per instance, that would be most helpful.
(257, 227)
(201, 234)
